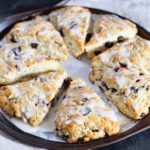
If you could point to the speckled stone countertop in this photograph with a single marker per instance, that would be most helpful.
(136, 10)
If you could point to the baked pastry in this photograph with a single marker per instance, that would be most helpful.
(73, 22)
(83, 115)
(123, 73)
(41, 35)
(107, 30)
(31, 100)
(18, 60)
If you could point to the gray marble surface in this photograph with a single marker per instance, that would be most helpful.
(137, 10)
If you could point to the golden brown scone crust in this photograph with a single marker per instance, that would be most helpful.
(74, 22)
(123, 73)
(83, 115)
(31, 100)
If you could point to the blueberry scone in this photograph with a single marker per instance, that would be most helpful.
(108, 30)
(31, 100)
(83, 115)
(73, 22)
(41, 35)
(18, 61)
(123, 73)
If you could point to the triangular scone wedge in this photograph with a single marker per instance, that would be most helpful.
(123, 73)
(41, 35)
(107, 30)
(31, 100)
(18, 61)
(83, 115)
(74, 23)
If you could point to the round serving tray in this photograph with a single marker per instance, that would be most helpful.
(6, 126)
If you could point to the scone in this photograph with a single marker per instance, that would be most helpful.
(83, 115)
(73, 22)
(41, 35)
(18, 60)
(107, 30)
(123, 73)
(31, 100)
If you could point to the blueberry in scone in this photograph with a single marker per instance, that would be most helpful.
(82, 115)
(123, 74)
(108, 30)
(31, 100)
(39, 34)
(73, 23)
